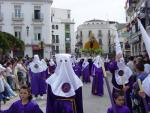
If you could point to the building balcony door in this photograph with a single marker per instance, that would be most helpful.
(37, 50)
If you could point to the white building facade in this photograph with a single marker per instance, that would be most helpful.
(137, 9)
(63, 36)
(104, 32)
(30, 21)
(123, 38)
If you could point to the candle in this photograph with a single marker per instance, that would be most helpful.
(123, 81)
(103, 68)
(140, 85)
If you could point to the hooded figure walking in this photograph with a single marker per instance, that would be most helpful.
(64, 93)
(38, 84)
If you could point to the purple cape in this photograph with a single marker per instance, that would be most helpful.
(106, 64)
(119, 109)
(56, 104)
(77, 70)
(52, 69)
(97, 84)
(17, 107)
(112, 67)
(86, 75)
(38, 84)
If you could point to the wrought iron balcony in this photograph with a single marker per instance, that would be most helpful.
(17, 17)
(37, 17)
(131, 5)
(134, 35)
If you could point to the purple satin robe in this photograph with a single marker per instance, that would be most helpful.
(38, 84)
(149, 104)
(97, 84)
(77, 70)
(56, 104)
(18, 107)
(112, 67)
(106, 64)
(52, 69)
(119, 109)
(86, 75)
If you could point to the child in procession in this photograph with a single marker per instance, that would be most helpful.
(119, 104)
(25, 104)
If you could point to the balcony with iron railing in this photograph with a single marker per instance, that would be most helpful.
(36, 40)
(135, 34)
(37, 17)
(134, 37)
(131, 5)
(17, 17)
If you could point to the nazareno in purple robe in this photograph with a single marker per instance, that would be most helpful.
(38, 84)
(86, 75)
(119, 109)
(77, 69)
(18, 107)
(44, 76)
(149, 104)
(106, 64)
(56, 104)
(52, 69)
(97, 84)
(112, 67)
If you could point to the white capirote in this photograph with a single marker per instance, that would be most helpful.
(64, 82)
(36, 65)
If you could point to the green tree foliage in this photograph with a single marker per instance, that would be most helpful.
(91, 51)
(8, 42)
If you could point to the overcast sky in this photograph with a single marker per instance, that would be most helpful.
(83, 10)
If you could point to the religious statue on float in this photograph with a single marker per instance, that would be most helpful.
(92, 46)
(92, 42)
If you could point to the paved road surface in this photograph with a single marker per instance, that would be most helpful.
(92, 104)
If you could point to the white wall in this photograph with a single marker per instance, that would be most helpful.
(73, 38)
(95, 26)
(27, 8)
(60, 18)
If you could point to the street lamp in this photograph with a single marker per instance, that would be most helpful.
(27, 28)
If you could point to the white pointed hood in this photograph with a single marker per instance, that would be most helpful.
(146, 85)
(97, 62)
(121, 62)
(77, 60)
(107, 59)
(36, 65)
(127, 74)
(121, 65)
(117, 45)
(51, 62)
(64, 81)
(85, 63)
(145, 36)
